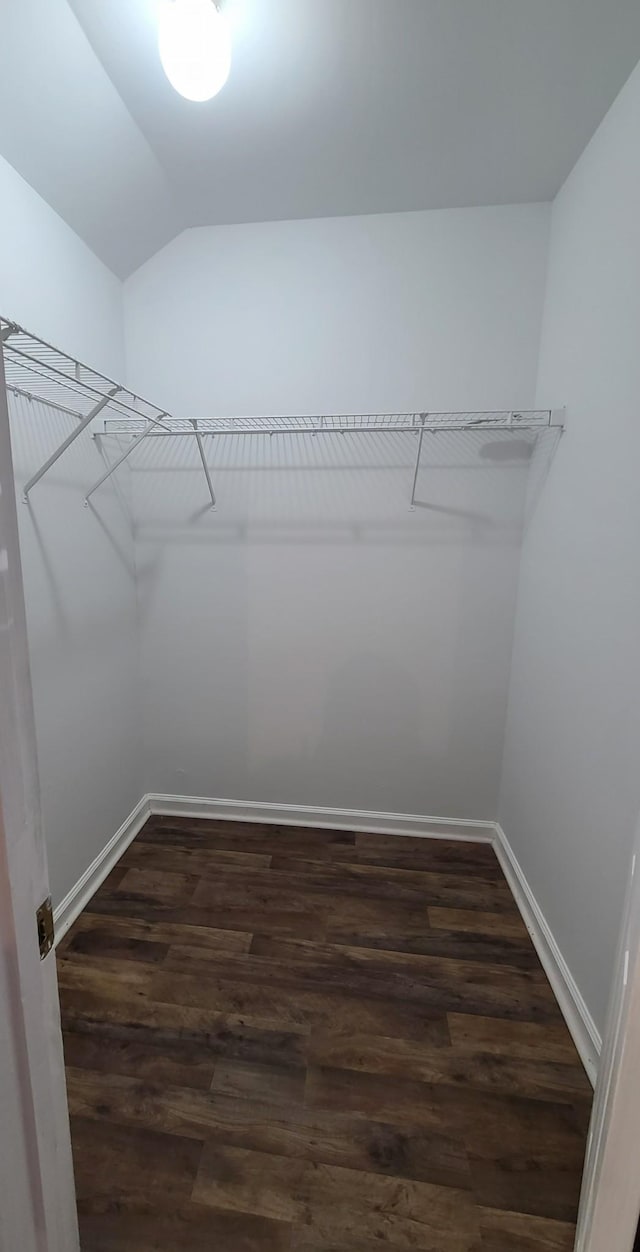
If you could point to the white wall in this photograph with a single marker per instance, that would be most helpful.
(77, 564)
(571, 784)
(79, 577)
(313, 641)
(387, 313)
(52, 284)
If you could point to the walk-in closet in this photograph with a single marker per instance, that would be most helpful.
(319, 621)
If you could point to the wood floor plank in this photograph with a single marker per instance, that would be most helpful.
(333, 1011)
(498, 1127)
(157, 886)
(271, 1084)
(399, 1100)
(549, 1041)
(283, 1039)
(110, 946)
(521, 1232)
(245, 1181)
(186, 1065)
(479, 1071)
(297, 1131)
(404, 1059)
(165, 933)
(251, 837)
(439, 984)
(290, 876)
(434, 982)
(396, 1212)
(333, 1206)
(542, 1190)
(104, 976)
(164, 1227)
(525, 1156)
(507, 923)
(444, 855)
(132, 1163)
(436, 941)
(142, 1020)
(392, 960)
(399, 919)
(285, 920)
(200, 861)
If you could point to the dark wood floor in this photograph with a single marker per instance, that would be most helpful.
(285, 1040)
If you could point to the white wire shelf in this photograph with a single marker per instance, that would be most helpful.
(338, 423)
(38, 371)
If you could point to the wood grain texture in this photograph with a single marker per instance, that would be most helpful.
(294, 1040)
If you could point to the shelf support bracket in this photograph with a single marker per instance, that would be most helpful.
(151, 424)
(203, 458)
(412, 505)
(68, 441)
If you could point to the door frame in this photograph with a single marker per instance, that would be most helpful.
(36, 1173)
(610, 1200)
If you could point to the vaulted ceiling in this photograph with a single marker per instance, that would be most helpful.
(332, 107)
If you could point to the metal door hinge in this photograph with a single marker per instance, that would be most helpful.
(44, 918)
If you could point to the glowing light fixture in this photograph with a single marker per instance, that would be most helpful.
(194, 42)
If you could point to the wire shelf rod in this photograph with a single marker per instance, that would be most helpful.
(87, 391)
(271, 427)
(52, 404)
(336, 430)
(24, 351)
(10, 328)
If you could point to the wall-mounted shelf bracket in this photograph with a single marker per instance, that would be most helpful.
(204, 463)
(412, 505)
(151, 422)
(82, 425)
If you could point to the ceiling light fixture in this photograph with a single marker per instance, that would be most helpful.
(194, 42)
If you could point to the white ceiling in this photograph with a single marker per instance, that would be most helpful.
(332, 107)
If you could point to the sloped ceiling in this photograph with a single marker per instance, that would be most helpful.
(332, 107)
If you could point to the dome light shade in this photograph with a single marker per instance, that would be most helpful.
(194, 42)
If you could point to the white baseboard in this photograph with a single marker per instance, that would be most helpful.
(583, 1029)
(572, 1005)
(364, 820)
(77, 899)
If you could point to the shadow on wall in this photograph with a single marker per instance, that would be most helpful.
(333, 486)
(69, 551)
(316, 642)
(544, 451)
(80, 594)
